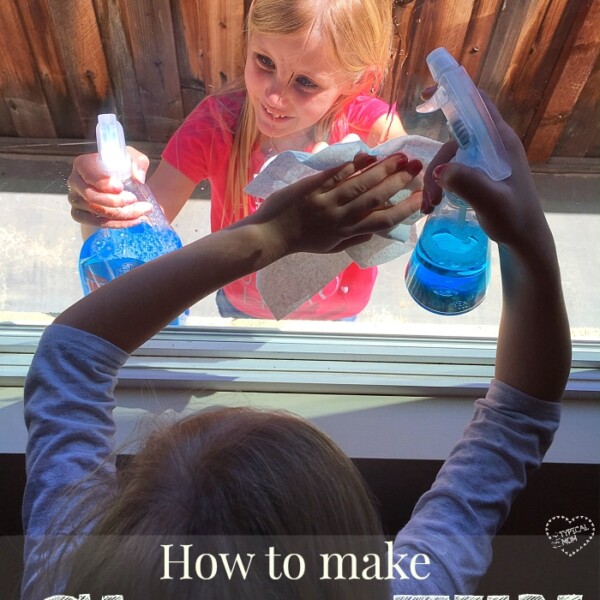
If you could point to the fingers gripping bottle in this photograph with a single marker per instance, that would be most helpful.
(109, 252)
(448, 271)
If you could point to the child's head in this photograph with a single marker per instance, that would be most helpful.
(228, 472)
(241, 471)
(352, 37)
(306, 59)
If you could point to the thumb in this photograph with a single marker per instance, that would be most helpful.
(139, 164)
(471, 184)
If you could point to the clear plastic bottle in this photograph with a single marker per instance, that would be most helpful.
(449, 269)
(110, 252)
(448, 272)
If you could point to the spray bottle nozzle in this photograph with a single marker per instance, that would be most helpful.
(468, 118)
(439, 62)
(112, 150)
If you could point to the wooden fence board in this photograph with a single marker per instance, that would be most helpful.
(36, 18)
(538, 56)
(186, 20)
(478, 35)
(427, 25)
(396, 86)
(581, 135)
(210, 46)
(150, 28)
(513, 27)
(576, 62)
(126, 97)
(21, 90)
(152, 61)
(83, 58)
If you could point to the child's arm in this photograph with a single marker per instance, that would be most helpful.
(454, 522)
(534, 345)
(386, 127)
(323, 213)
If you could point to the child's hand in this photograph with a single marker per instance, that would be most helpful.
(340, 207)
(99, 200)
(509, 211)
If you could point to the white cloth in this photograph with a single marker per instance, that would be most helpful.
(291, 281)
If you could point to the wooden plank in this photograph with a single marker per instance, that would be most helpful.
(83, 58)
(187, 42)
(54, 56)
(511, 39)
(150, 28)
(576, 62)
(7, 126)
(19, 83)
(46, 146)
(396, 87)
(126, 90)
(422, 27)
(538, 59)
(213, 45)
(36, 18)
(566, 165)
(589, 104)
(478, 36)
(227, 27)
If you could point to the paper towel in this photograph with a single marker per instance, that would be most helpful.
(289, 282)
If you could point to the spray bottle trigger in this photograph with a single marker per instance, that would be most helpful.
(435, 102)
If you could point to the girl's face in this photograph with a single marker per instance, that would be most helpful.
(291, 85)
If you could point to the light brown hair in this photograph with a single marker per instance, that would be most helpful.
(229, 480)
(357, 35)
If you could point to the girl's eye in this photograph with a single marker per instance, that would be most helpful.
(265, 61)
(306, 83)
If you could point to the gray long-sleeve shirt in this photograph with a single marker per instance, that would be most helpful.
(69, 401)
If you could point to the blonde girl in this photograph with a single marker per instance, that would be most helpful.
(313, 70)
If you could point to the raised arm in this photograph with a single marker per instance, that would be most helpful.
(534, 344)
(455, 521)
(323, 213)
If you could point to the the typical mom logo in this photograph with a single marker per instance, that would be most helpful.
(570, 535)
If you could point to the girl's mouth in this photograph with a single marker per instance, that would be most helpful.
(273, 115)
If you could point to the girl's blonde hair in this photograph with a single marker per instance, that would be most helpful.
(357, 35)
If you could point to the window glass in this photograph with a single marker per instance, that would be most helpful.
(41, 243)
(50, 98)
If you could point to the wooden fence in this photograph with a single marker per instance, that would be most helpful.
(151, 61)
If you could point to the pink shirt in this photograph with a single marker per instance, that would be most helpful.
(201, 149)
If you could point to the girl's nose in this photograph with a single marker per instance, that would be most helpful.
(275, 94)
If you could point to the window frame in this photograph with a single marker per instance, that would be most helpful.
(266, 360)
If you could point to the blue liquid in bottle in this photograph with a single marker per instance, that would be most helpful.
(108, 253)
(448, 270)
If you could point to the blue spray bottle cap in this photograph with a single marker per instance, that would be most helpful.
(468, 118)
(112, 150)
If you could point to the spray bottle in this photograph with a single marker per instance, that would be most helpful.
(449, 269)
(109, 252)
